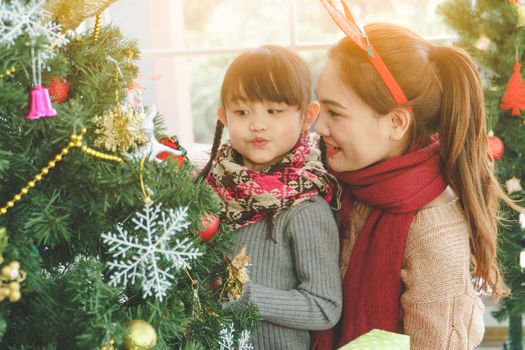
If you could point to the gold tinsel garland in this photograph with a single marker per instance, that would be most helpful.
(8, 72)
(96, 29)
(75, 142)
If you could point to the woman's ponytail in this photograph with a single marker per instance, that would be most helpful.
(467, 166)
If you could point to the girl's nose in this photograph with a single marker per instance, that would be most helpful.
(257, 127)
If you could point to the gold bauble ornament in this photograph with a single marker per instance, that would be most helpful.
(140, 335)
(14, 296)
(14, 287)
(70, 13)
(108, 346)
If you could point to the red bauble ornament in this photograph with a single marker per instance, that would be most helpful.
(514, 97)
(172, 142)
(59, 89)
(211, 226)
(216, 283)
(496, 147)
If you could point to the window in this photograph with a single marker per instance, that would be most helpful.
(189, 44)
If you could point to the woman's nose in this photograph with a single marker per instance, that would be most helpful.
(320, 126)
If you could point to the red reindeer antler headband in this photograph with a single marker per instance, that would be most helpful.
(347, 24)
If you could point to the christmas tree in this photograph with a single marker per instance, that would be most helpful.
(492, 32)
(104, 236)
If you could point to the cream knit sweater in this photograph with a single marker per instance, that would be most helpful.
(440, 308)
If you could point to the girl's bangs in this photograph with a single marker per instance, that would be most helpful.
(260, 78)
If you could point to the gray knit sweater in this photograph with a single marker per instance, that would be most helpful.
(295, 282)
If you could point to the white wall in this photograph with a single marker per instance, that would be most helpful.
(158, 24)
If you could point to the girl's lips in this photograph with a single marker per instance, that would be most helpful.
(259, 142)
(331, 150)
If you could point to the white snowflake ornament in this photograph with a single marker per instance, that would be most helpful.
(226, 337)
(151, 259)
(513, 185)
(522, 221)
(245, 341)
(226, 340)
(17, 18)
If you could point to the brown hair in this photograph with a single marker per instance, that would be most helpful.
(268, 73)
(443, 87)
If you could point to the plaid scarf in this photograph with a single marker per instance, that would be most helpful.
(248, 196)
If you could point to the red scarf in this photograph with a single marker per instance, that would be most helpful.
(395, 189)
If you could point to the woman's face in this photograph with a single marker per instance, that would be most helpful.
(355, 135)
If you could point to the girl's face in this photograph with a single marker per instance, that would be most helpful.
(354, 134)
(264, 132)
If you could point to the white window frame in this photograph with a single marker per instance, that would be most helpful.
(178, 113)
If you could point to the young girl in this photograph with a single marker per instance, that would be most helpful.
(420, 204)
(274, 191)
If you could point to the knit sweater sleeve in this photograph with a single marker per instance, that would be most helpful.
(316, 302)
(441, 309)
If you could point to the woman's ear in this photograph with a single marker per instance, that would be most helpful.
(221, 114)
(310, 115)
(400, 119)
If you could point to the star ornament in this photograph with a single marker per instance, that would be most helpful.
(120, 131)
(237, 274)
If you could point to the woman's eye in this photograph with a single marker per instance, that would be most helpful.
(274, 111)
(332, 113)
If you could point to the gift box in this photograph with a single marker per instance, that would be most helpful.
(378, 339)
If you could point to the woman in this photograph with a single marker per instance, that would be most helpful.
(408, 142)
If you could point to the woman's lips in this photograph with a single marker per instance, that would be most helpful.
(331, 150)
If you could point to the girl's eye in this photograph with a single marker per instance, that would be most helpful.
(274, 111)
(241, 112)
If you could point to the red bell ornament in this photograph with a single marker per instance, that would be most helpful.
(39, 105)
(211, 226)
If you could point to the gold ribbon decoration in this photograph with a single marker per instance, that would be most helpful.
(70, 13)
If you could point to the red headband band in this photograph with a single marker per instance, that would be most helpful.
(347, 24)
